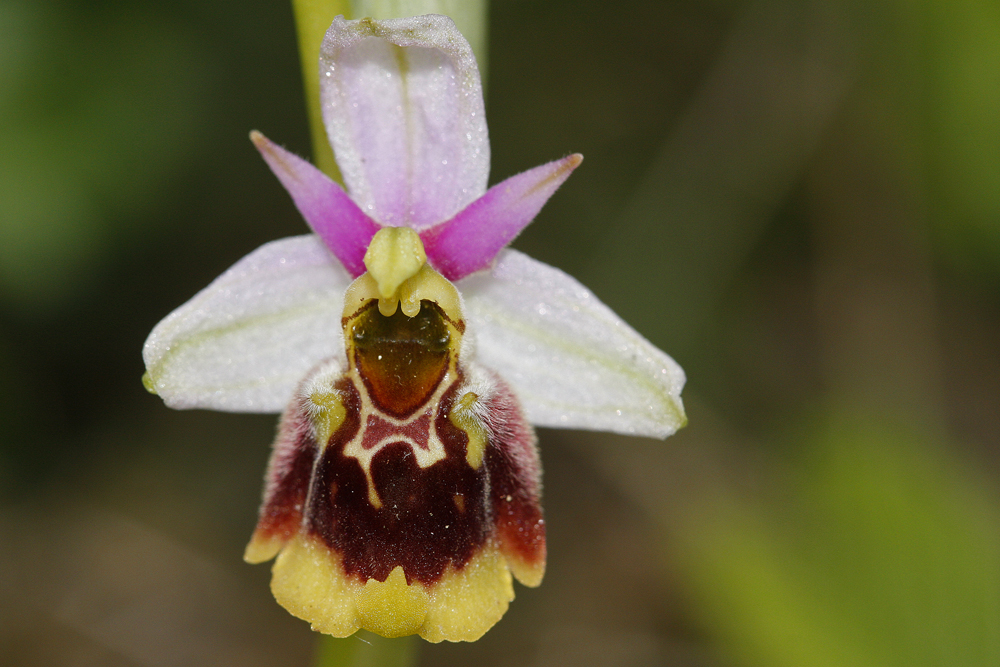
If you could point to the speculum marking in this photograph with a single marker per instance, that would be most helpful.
(401, 359)
(379, 432)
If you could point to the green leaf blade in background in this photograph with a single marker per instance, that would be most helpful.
(880, 550)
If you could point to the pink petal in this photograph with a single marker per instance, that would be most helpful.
(403, 108)
(469, 241)
(337, 220)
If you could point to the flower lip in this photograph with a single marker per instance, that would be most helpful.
(417, 505)
(409, 521)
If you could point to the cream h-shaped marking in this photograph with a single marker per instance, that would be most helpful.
(425, 457)
(398, 276)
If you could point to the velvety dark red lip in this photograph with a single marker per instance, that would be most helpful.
(430, 518)
(282, 515)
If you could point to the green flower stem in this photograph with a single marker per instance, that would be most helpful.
(365, 649)
(313, 17)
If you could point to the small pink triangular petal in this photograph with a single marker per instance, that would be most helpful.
(403, 108)
(468, 242)
(336, 219)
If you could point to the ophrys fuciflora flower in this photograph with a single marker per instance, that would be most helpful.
(409, 351)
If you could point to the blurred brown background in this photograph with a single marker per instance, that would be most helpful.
(798, 200)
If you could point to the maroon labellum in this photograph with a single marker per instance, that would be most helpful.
(407, 459)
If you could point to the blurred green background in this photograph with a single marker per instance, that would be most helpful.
(797, 199)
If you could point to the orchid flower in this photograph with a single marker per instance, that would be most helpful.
(409, 352)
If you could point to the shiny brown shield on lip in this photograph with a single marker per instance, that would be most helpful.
(401, 359)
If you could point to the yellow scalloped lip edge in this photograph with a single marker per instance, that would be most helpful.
(309, 582)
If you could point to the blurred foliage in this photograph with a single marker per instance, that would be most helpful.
(797, 199)
(93, 104)
(875, 548)
(960, 58)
